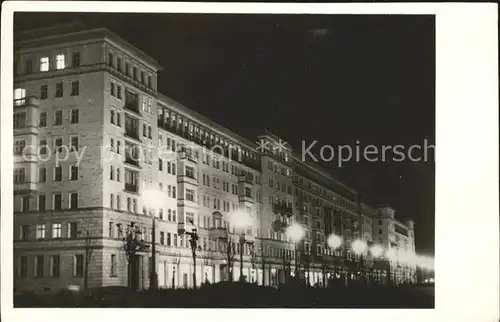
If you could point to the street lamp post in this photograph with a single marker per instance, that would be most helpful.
(334, 242)
(295, 232)
(391, 255)
(152, 198)
(242, 245)
(241, 220)
(376, 251)
(193, 242)
(359, 247)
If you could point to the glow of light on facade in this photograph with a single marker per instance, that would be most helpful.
(391, 254)
(376, 251)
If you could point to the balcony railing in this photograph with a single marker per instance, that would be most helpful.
(282, 209)
(184, 155)
(132, 105)
(132, 160)
(279, 225)
(245, 179)
(131, 187)
(133, 133)
(245, 198)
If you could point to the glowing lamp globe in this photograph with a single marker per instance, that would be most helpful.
(153, 198)
(295, 232)
(334, 241)
(359, 247)
(240, 219)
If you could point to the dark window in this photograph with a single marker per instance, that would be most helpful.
(112, 88)
(29, 66)
(74, 144)
(58, 145)
(75, 88)
(72, 230)
(58, 117)
(162, 238)
(131, 127)
(131, 101)
(55, 265)
(78, 265)
(58, 173)
(57, 201)
(44, 92)
(74, 172)
(150, 85)
(131, 180)
(24, 232)
(119, 64)
(43, 119)
(160, 165)
(134, 73)
(113, 265)
(59, 89)
(19, 146)
(41, 203)
(74, 200)
(39, 266)
(23, 266)
(118, 120)
(74, 116)
(118, 92)
(26, 203)
(42, 175)
(19, 120)
(110, 60)
(127, 68)
(76, 59)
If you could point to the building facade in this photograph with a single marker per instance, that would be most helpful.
(92, 135)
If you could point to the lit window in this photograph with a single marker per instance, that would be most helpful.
(19, 96)
(56, 230)
(60, 61)
(44, 64)
(40, 231)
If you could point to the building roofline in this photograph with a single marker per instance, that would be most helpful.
(238, 139)
(326, 173)
(385, 206)
(99, 32)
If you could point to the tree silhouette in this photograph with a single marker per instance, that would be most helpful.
(90, 240)
(227, 247)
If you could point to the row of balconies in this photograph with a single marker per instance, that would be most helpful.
(283, 209)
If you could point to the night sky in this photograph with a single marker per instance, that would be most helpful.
(337, 79)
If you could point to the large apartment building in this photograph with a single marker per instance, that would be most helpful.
(92, 134)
